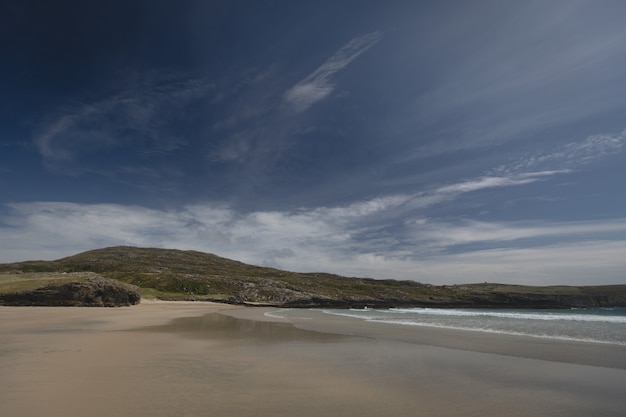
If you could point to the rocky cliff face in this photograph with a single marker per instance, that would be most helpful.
(95, 291)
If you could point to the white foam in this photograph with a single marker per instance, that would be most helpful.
(505, 332)
(276, 314)
(513, 315)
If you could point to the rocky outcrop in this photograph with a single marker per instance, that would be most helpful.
(95, 291)
(446, 296)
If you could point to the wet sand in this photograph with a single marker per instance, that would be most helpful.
(188, 359)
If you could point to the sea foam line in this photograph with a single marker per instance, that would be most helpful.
(407, 322)
(504, 332)
(276, 314)
(509, 315)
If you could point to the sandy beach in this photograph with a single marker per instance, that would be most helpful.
(202, 359)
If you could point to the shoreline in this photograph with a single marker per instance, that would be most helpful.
(159, 359)
(523, 346)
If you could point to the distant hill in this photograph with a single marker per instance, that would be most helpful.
(190, 275)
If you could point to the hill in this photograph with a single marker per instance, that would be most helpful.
(190, 275)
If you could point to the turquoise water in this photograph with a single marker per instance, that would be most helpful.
(588, 325)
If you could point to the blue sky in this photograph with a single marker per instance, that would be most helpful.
(444, 142)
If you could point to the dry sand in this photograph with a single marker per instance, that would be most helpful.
(201, 359)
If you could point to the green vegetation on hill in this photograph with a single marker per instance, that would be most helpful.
(13, 283)
(191, 275)
(77, 289)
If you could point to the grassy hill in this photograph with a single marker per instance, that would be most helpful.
(191, 275)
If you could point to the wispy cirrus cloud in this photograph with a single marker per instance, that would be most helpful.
(450, 192)
(317, 85)
(131, 118)
(570, 156)
(561, 72)
(493, 182)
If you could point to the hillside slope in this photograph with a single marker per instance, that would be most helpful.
(190, 275)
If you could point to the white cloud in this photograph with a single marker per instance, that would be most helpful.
(318, 85)
(452, 191)
(342, 240)
(580, 263)
(482, 183)
(363, 208)
(325, 231)
(441, 234)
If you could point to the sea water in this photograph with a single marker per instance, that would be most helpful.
(606, 325)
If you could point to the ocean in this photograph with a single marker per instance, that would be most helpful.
(606, 325)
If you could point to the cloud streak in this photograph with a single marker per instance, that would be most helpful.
(317, 85)
(570, 156)
(538, 72)
(130, 118)
(450, 192)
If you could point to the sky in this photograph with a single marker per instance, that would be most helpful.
(444, 142)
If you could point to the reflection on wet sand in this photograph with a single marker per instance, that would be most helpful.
(216, 326)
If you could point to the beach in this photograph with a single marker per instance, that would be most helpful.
(205, 359)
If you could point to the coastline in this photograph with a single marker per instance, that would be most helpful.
(555, 350)
(189, 359)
